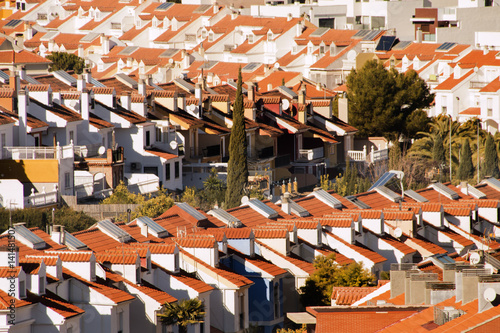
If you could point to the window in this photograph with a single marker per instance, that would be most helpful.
(22, 289)
(176, 262)
(489, 107)
(71, 136)
(250, 38)
(117, 25)
(138, 275)
(114, 102)
(203, 34)
(158, 134)
(67, 180)
(151, 170)
(276, 300)
(322, 49)
(269, 36)
(120, 322)
(176, 170)
(41, 16)
(148, 139)
(167, 171)
(242, 311)
(41, 285)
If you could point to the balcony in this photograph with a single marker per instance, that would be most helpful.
(311, 154)
(372, 157)
(41, 199)
(477, 84)
(36, 153)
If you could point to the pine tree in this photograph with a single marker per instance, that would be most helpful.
(490, 167)
(237, 168)
(438, 152)
(466, 168)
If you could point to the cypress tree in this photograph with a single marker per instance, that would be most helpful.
(490, 167)
(438, 152)
(237, 168)
(466, 168)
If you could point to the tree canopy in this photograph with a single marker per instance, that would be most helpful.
(328, 274)
(237, 168)
(183, 313)
(66, 62)
(466, 168)
(351, 182)
(388, 99)
(490, 166)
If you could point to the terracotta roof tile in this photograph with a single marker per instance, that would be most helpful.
(56, 303)
(293, 259)
(451, 82)
(6, 301)
(472, 111)
(336, 223)
(362, 250)
(259, 262)
(270, 232)
(6, 272)
(161, 153)
(71, 256)
(349, 295)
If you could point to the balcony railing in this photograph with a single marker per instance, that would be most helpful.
(477, 84)
(371, 157)
(41, 199)
(37, 153)
(311, 154)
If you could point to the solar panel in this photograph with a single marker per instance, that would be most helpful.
(4, 77)
(385, 43)
(415, 196)
(65, 77)
(297, 209)
(319, 32)
(96, 83)
(251, 66)
(13, 23)
(384, 191)
(191, 211)
(475, 192)
(445, 46)
(382, 180)
(164, 6)
(73, 243)
(326, 198)
(27, 237)
(225, 217)
(169, 53)
(128, 50)
(113, 231)
(371, 35)
(444, 259)
(361, 33)
(360, 204)
(444, 190)
(208, 64)
(493, 182)
(30, 80)
(401, 45)
(262, 208)
(89, 37)
(202, 9)
(153, 228)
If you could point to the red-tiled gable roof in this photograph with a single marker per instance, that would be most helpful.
(55, 303)
(98, 123)
(374, 200)
(114, 294)
(222, 271)
(263, 231)
(361, 249)
(398, 215)
(471, 111)
(230, 233)
(6, 272)
(161, 153)
(299, 223)
(251, 218)
(336, 222)
(6, 301)
(456, 237)
(317, 208)
(483, 203)
(96, 240)
(59, 110)
(21, 57)
(435, 197)
(349, 295)
(25, 250)
(493, 86)
(259, 262)
(452, 82)
(196, 241)
(457, 211)
(339, 257)
(419, 243)
(402, 247)
(70, 256)
(187, 279)
(370, 214)
(126, 258)
(292, 258)
(328, 59)
(275, 79)
(155, 248)
(430, 267)
(490, 192)
(130, 116)
(48, 260)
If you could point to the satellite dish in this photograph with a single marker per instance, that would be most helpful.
(474, 258)
(101, 150)
(170, 61)
(191, 107)
(286, 104)
(244, 200)
(173, 144)
(276, 65)
(398, 232)
(490, 294)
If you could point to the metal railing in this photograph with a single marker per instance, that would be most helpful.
(37, 153)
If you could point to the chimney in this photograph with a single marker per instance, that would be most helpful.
(129, 62)
(199, 95)
(20, 41)
(85, 104)
(105, 44)
(285, 203)
(57, 234)
(15, 82)
(181, 101)
(419, 35)
(144, 229)
(87, 74)
(80, 82)
(81, 51)
(343, 110)
(333, 49)
(485, 49)
(126, 100)
(186, 60)
(302, 95)
(251, 91)
(51, 45)
(141, 87)
(29, 32)
(216, 7)
(289, 17)
(201, 51)
(22, 110)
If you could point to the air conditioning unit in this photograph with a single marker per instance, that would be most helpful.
(135, 166)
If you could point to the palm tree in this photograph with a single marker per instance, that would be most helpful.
(182, 313)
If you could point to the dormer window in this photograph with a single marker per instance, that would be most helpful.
(322, 49)
(210, 36)
(22, 289)
(203, 34)
(269, 36)
(41, 285)
(250, 38)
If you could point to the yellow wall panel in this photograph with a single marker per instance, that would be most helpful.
(30, 171)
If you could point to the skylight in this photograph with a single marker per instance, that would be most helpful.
(393, 196)
(153, 228)
(73, 243)
(113, 231)
(191, 211)
(297, 209)
(225, 217)
(475, 192)
(444, 190)
(415, 196)
(262, 208)
(326, 198)
(493, 182)
(65, 77)
(28, 238)
(384, 179)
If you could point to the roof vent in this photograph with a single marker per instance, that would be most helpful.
(415, 196)
(113, 231)
(475, 192)
(225, 217)
(27, 237)
(262, 208)
(298, 210)
(354, 200)
(444, 190)
(493, 182)
(444, 314)
(73, 243)
(384, 191)
(191, 211)
(326, 198)
(153, 228)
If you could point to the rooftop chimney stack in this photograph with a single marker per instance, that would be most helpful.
(141, 87)
(57, 234)
(251, 91)
(85, 104)
(105, 44)
(80, 82)
(81, 51)
(126, 100)
(22, 110)
(419, 35)
(285, 203)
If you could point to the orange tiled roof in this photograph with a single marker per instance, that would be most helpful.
(6, 272)
(6, 301)
(452, 82)
(350, 295)
(259, 262)
(269, 232)
(471, 111)
(71, 256)
(362, 250)
(56, 303)
(161, 153)
(293, 259)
